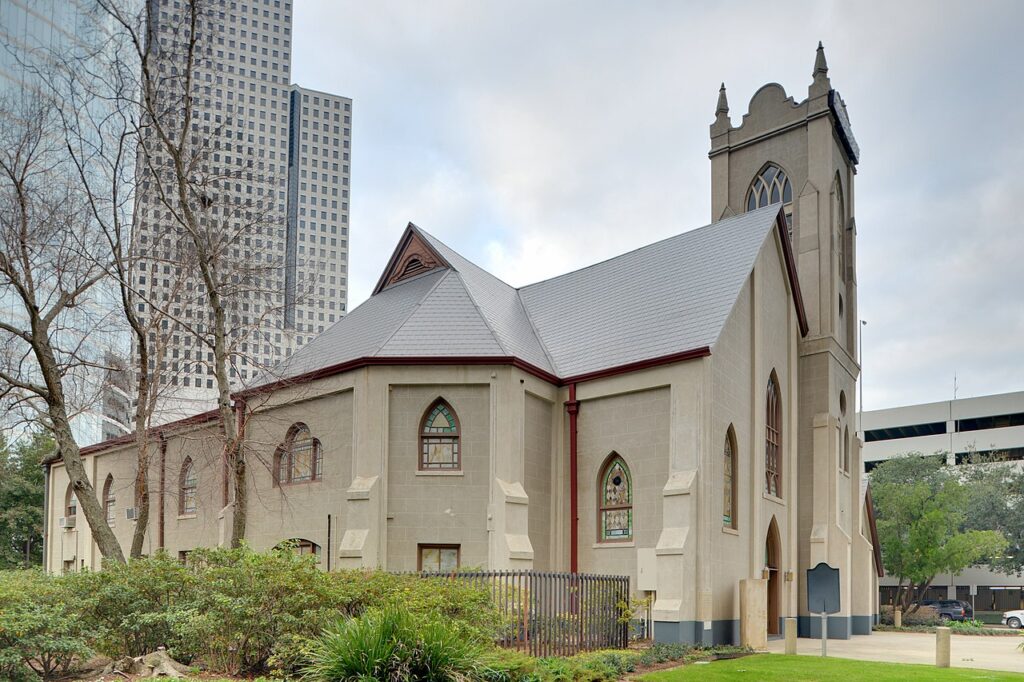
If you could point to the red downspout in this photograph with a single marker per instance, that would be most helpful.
(573, 408)
(162, 497)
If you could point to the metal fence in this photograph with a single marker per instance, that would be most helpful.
(555, 614)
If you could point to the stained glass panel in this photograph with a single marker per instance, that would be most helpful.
(616, 502)
(439, 440)
(727, 485)
(440, 453)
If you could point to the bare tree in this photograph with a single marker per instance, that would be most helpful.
(217, 198)
(50, 281)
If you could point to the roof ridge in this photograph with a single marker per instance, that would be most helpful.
(412, 311)
(480, 311)
(678, 235)
(536, 333)
(467, 260)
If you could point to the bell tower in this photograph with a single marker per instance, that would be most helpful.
(803, 156)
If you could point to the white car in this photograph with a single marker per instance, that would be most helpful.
(1013, 619)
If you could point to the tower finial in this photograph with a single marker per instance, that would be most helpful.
(820, 65)
(723, 102)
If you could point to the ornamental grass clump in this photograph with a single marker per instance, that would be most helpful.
(394, 645)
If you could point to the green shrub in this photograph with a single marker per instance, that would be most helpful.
(132, 609)
(393, 644)
(40, 629)
(468, 606)
(247, 603)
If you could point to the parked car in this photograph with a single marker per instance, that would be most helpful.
(949, 609)
(1013, 619)
(937, 603)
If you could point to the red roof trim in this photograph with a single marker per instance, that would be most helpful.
(794, 280)
(154, 432)
(413, 361)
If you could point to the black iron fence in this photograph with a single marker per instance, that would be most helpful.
(555, 614)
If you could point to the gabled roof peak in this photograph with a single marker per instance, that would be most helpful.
(413, 256)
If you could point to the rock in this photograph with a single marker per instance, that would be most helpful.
(160, 664)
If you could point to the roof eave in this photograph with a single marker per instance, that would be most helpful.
(791, 271)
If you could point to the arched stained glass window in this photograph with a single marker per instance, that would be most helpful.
(187, 485)
(772, 186)
(439, 439)
(729, 481)
(616, 501)
(773, 439)
(299, 458)
(109, 501)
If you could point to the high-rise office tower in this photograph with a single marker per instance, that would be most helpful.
(35, 36)
(274, 159)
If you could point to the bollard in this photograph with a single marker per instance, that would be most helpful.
(942, 647)
(897, 618)
(791, 636)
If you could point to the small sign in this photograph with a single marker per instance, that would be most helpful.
(974, 590)
(823, 589)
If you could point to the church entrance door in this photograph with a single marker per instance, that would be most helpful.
(772, 552)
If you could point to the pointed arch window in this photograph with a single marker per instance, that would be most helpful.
(70, 502)
(729, 510)
(839, 207)
(772, 186)
(846, 451)
(109, 501)
(773, 438)
(439, 439)
(299, 459)
(615, 511)
(187, 486)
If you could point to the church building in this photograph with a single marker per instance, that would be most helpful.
(681, 414)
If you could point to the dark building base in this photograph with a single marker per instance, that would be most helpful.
(693, 632)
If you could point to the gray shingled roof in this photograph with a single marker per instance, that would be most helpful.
(668, 297)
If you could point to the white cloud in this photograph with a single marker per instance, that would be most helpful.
(537, 137)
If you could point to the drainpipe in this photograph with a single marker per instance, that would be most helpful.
(572, 407)
(162, 496)
(46, 516)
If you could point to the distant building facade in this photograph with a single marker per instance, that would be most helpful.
(32, 34)
(677, 414)
(292, 147)
(991, 426)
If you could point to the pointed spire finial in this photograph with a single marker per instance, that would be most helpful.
(820, 65)
(723, 102)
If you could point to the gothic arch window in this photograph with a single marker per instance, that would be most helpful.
(839, 209)
(70, 502)
(615, 502)
(773, 438)
(729, 475)
(846, 451)
(187, 486)
(109, 501)
(772, 186)
(299, 459)
(439, 439)
(300, 546)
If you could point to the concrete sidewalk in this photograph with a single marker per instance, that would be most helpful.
(967, 651)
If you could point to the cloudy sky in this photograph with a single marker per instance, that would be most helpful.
(537, 137)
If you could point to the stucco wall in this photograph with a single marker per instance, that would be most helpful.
(300, 510)
(437, 507)
(538, 479)
(637, 427)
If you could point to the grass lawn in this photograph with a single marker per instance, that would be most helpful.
(775, 667)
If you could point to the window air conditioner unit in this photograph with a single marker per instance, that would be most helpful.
(67, 522)
(131, 514)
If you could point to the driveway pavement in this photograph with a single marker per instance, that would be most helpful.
(966, 651)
